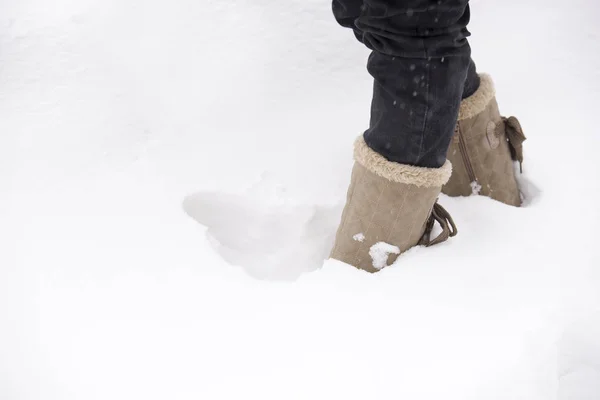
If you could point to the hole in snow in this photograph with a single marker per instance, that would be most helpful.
(273, 242)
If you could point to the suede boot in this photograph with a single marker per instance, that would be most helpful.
(484, 148)
(390, 208)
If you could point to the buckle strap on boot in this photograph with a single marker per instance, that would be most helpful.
(516, 137)
(442, 217)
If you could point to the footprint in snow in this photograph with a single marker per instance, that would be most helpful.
(270, 241)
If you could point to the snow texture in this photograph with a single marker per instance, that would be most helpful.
(171, 179)
(359, 237)
(380, 252)
(475, 188)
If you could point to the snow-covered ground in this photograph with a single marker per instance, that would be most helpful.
(171, 175)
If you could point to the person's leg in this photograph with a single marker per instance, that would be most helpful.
(472, 81)
(420, 62)
(346, 13)
(478, 111)
(422, 68)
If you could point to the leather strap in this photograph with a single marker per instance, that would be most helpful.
(442, 217)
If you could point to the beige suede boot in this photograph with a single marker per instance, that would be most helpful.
(390, 208)
(484, 148)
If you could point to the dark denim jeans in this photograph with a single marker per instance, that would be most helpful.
(422, 67)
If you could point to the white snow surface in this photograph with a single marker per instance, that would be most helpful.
(171, 177)
(380, 252)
